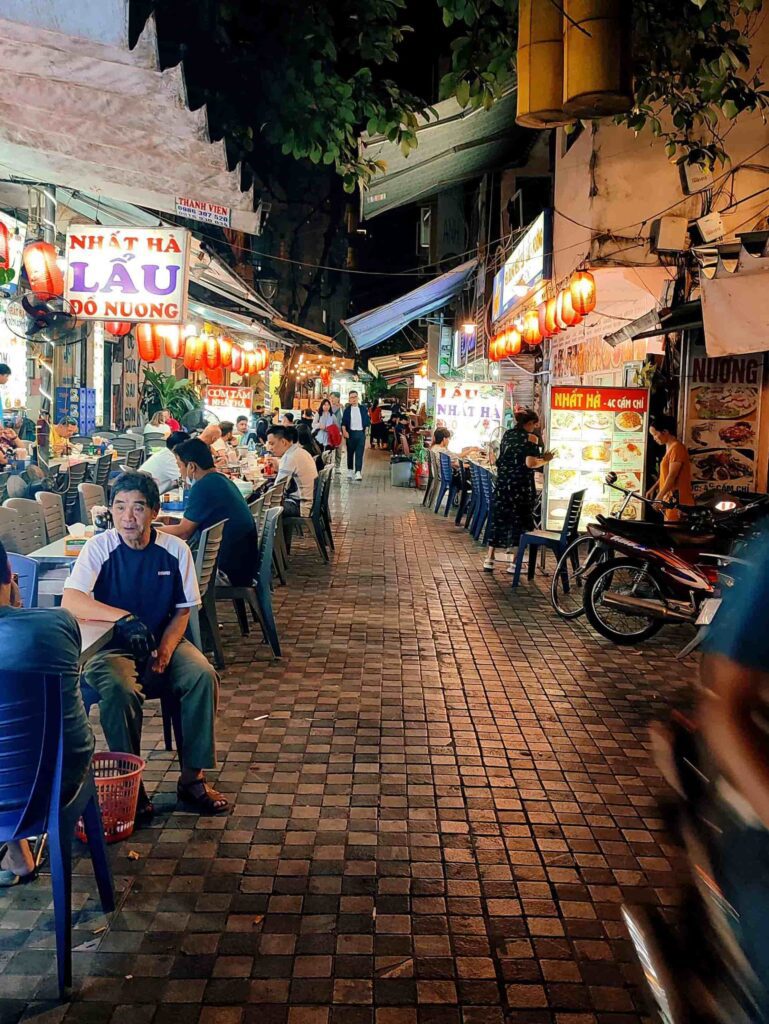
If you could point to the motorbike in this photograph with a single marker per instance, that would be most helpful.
(643, 575)
(697, 971)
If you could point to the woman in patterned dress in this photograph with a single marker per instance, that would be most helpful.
(514, 493)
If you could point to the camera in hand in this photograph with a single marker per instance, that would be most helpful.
(133, 636)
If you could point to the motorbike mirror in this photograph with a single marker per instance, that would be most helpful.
(611, 478)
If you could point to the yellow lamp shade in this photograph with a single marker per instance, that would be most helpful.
(597, 71)
(540, 65)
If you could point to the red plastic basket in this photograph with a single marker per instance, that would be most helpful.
(117, 778)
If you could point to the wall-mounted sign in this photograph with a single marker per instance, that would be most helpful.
(722, 419)
(130, 394)
(13, 352)
(595, 431)
(228, 398)
(206, 213)
(472, 412)
(464, 347)
(527, 265)
(137, 274)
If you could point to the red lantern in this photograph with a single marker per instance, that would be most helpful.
(325, 376)
(43, 272)
(193, 354)
(237, 359)
(542, 319)
(551, 320)
(513, 342)
(264, 359)
(251, 362)
(583, 292)
(496, 350)
(568, 313)
(215, 376)
(531, 332)
(117, 328)
(225, 350)
(212, 356)
(5, 248)
(148, 343)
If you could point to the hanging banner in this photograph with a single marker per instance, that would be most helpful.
(206, 213)
(472, 412)
(137, 274)
(130, 412)
(722, 418)
(227, 403)
(595, 431)
(527, 265)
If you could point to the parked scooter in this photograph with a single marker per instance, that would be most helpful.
(696, 972)
(665, 573)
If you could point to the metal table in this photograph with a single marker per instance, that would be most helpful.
(53, 554)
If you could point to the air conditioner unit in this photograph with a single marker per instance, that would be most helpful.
(668, 234)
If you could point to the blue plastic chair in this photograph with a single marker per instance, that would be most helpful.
(31, 744)
(550, 539)
(481, 510)
(487, 483)
(447, 485)
(27, 571)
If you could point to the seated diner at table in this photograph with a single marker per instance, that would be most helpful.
(133, 572)
(43, 640)
(11, 446)
(212, 436)
(294, 465)
(60, 435)
(212, 498)
(162, 465)
(157, 425)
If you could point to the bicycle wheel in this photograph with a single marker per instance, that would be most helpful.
(568, 584)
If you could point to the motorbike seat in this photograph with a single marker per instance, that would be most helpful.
(667, 535)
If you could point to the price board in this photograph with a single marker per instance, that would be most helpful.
(595, 431)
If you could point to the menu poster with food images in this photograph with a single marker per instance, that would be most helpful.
(723, 403)
(595, 431)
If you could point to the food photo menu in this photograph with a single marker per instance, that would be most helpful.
(595, 431)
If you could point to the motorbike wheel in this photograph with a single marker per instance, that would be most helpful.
(623, 576)
(655, 949)
(568, 585)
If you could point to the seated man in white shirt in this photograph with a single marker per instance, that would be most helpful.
(162, 465)
(297, 467)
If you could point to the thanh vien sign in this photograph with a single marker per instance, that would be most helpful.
(136, 274)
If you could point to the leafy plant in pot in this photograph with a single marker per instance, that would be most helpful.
(419, 459)
(163, 391)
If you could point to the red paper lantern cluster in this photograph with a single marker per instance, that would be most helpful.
(45, 277)
(256, 361)
(506, 343)
(568, 307)
(148, 342)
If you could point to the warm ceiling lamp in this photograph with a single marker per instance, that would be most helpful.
(583, 292)
(117, 328)
(468, 328)
(45, 277)
(147, 342)
(531, 332)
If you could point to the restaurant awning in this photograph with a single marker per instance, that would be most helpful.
(79, 109)
(459, 145)
(398, 365)
(686, 317)
(371, 328)
(235, 322)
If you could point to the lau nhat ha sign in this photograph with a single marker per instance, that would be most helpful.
(137, 274)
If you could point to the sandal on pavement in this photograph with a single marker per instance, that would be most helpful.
(204, 798)
(488, 565)
(8, 876)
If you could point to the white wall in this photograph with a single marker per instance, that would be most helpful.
(103, 21)
(634, 182)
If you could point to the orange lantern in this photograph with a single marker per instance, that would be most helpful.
(583, 292)
(43, 272)
(531, 332)
(148, 343)
(265, 359)
(171, 337)
(542, 319)
(237, 359)
(325, 376)
(251, 362)
(567, 312)
(5, 248)
(117, 328)
(551, 320)
(512, 342)
(498, 348)
(212, 358)
(215, 376)
(225, 350)
(559, 311)
(193, 354)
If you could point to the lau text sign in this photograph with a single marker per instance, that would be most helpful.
(137, 274)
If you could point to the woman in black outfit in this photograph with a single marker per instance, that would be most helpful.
(514, 493)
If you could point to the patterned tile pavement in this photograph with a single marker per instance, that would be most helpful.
(441, 797)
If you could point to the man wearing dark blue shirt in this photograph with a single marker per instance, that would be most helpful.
(135, 570)
(212, 499)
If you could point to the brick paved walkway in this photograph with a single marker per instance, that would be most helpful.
(440, 798)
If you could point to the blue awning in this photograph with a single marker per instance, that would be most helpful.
(368, 329)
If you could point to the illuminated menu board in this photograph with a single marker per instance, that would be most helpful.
(595, 431)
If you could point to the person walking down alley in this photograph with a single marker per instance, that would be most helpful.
(355, 422)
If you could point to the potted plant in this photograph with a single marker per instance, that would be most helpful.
(419, 460)
(163, 391)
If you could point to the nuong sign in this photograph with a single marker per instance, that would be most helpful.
(136, 274)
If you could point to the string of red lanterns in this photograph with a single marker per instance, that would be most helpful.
(568, 308)
(209, 353)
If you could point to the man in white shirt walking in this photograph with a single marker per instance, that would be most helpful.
(297, 467)
(355, 423)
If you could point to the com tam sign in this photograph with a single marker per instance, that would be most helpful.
(137, 274)
(228, 397)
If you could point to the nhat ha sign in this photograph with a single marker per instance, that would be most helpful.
(137, 274)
